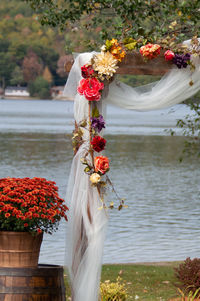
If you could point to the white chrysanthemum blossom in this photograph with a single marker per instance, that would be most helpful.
(103, 48)
(95, 178)
(105, 64)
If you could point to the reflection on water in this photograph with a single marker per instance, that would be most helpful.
(162, 221)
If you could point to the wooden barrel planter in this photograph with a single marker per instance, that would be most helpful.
(44, 283)
(19, 249)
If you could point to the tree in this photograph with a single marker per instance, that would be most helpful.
(40, 88)
(6, 63)
(4, 45)
(47, 75)
(17, 76)
(135, 18)
(47, 55)
(61, 66)
(32, 68)
(18, 51)
(6, 69)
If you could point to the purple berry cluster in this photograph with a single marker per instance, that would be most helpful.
(181, 60)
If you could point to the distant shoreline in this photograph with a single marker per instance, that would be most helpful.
(32, 98)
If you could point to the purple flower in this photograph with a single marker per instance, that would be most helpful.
(98, 123)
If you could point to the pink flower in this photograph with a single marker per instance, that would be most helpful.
(169, 55)
(90, 88)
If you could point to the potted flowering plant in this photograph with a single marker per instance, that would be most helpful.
(28, 207)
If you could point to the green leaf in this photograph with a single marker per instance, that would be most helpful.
(120, 207)
(83, 123)
(108, 44)
(95, 112)
(87, 169)
(141, 31)
(131, 45)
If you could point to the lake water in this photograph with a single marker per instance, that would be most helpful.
(163, 195)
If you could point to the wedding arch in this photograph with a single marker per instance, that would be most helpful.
(91, 84)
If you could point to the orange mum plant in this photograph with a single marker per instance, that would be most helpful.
(30, 205)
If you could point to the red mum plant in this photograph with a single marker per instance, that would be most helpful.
(98, 143)
(30, 205)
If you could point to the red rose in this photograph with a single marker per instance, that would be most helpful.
(101, 164)
(90, 87)
(83, 84)
(87, 71)
(92, 95)
(98, 143)
(169, 55)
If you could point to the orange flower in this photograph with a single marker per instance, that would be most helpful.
(7, 215)
(35, 215)
(118, 53)
(28, 215)
(117, 50)
(32, 209)
(101, 164)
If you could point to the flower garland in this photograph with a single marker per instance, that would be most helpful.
(96, 75)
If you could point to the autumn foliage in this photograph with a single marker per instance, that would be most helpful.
(30, 205)
(188, 275)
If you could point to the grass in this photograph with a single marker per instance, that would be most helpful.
(144, 281)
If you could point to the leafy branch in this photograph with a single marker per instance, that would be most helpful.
(136, 18)
(190, 126)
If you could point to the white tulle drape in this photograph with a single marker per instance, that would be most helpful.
(87, 224)
(173, 88)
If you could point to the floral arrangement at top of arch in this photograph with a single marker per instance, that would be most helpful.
(96, 75)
